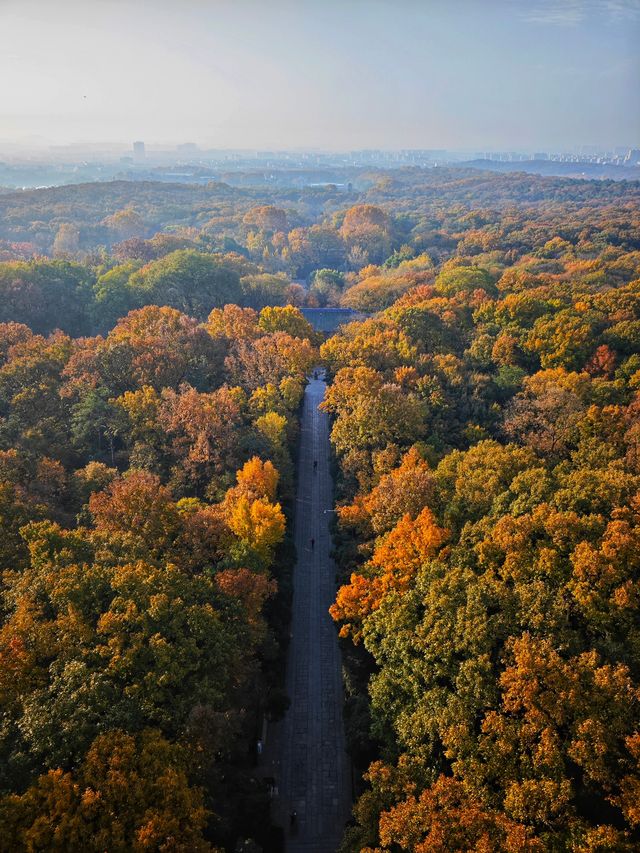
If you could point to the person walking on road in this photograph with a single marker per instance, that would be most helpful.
(313, 542)
(315, 464)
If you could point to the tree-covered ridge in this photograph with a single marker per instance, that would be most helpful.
(299, 230)
(486, 428)
(80, 258)
(145, 482)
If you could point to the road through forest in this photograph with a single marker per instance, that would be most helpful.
(307, 752)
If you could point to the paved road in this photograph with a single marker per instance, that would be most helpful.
(307, 750)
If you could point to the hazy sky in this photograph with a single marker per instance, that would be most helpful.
(339, 74)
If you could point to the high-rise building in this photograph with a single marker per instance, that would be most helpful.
(138, 151)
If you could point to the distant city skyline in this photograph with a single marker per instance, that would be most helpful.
(496, 75)
(142, 148)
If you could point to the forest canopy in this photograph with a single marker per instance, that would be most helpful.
(485, 426)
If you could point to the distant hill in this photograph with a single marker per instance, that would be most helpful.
(554, 168)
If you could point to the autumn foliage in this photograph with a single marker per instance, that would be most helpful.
(142, 518)
(485, 420)
(486, 428)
